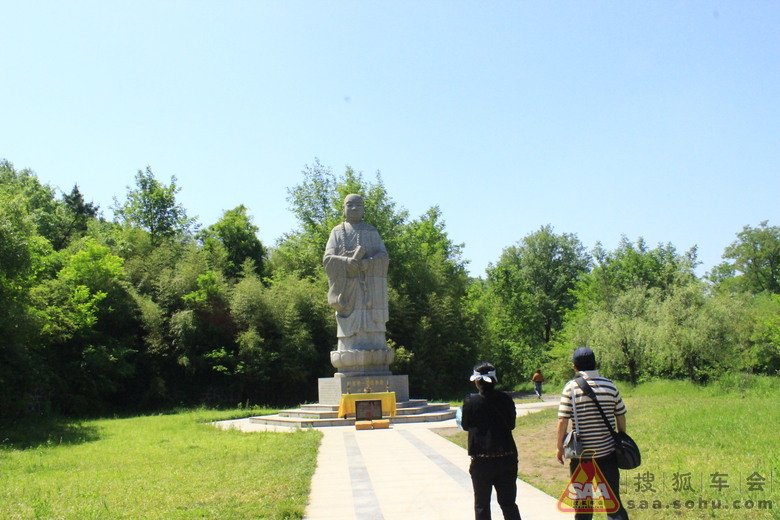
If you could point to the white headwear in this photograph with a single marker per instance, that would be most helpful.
(490, 377)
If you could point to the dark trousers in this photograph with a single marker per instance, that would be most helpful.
(609, 468)
(494, 472)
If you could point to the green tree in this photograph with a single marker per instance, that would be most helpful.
(237, 236)
(429, 282)
(22, 259)
(152, 206)
(40, 204)
(614, 313)
(696, 335)
(76, 215)
(204, 335)
(285, 330)
(621, 335)
(754, 264)
(636, 265)
(316, 205)
(57, 221)
(88, 326)
(762, 353)
(532, 285)
(181, 309)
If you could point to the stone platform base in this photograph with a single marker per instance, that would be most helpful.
(332, 388)
(323, 415)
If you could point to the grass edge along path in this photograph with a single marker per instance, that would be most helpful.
(707, 452)
(166, 467)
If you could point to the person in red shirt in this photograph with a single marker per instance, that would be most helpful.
(538, 379)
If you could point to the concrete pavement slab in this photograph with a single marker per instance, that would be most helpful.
(406, 472)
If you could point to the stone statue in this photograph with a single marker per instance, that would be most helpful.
(356, 264)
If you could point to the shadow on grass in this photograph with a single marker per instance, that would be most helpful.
(45, 431)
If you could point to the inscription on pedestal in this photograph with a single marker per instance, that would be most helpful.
(332, 388)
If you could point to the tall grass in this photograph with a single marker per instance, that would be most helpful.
(174, 466)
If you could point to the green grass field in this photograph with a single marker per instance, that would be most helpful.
(720, 441)
(708, 452)
(156, 467)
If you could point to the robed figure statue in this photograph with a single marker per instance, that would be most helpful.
(356, 262)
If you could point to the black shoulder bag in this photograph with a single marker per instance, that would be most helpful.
(626, 450)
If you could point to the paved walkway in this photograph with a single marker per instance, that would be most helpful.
(407, 472)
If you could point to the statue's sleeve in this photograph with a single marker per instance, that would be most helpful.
(379, 259)
(377, 281)
(382, 252)
(336, 269)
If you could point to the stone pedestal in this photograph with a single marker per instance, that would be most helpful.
(362, 361)
(331, 388)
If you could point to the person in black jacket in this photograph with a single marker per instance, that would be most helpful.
(489, 417)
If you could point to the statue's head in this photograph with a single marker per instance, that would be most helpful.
(353, 208)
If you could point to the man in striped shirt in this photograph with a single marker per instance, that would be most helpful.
(594, 434)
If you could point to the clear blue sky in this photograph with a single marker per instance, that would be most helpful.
(652, 119)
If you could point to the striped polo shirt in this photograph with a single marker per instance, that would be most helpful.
(593, 432)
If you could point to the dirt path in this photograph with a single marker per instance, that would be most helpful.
(537, 463)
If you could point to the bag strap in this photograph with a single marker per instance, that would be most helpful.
(574, 411)
(587, 390)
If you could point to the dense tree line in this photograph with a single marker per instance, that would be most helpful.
(151, 309)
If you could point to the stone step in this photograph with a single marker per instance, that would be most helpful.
(309, 414)
(308, 417)
(428, 408)
(319, 407)
(411, 403)
(299, 422)
(330, 411)
(425, 417)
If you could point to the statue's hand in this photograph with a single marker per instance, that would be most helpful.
(353, 266)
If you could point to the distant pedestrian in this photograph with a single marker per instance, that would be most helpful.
(538, 379)
(596, 438)
(489, 417)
